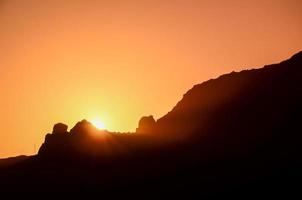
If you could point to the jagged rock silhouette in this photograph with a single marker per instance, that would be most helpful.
(59, 128)
(146, 124)
(237, 134)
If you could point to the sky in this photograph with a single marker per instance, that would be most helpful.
(116, 61)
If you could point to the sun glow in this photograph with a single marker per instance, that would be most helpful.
(98, 124)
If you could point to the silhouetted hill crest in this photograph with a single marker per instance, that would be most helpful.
(239, 133)
(210, 106)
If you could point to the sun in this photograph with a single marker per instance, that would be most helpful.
(98, 124)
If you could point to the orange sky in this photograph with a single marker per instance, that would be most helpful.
(62, 61)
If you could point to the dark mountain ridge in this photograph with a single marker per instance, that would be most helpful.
(237, 134)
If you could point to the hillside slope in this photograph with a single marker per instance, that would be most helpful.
(237, 134)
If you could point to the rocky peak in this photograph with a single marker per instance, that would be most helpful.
(59, 128)
(146, 124)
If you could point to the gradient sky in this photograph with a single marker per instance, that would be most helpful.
(62, 61)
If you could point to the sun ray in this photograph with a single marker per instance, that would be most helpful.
(99, 124)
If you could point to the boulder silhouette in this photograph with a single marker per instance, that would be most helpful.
(57, 143)
(146, 124)
(59, 128)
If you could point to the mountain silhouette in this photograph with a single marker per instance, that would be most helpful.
(238, 134)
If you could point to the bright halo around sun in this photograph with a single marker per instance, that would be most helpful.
(98, 124)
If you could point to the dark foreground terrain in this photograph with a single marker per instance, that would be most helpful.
(238, 135)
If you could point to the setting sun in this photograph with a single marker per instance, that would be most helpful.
(116, 61)
(98, 124)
